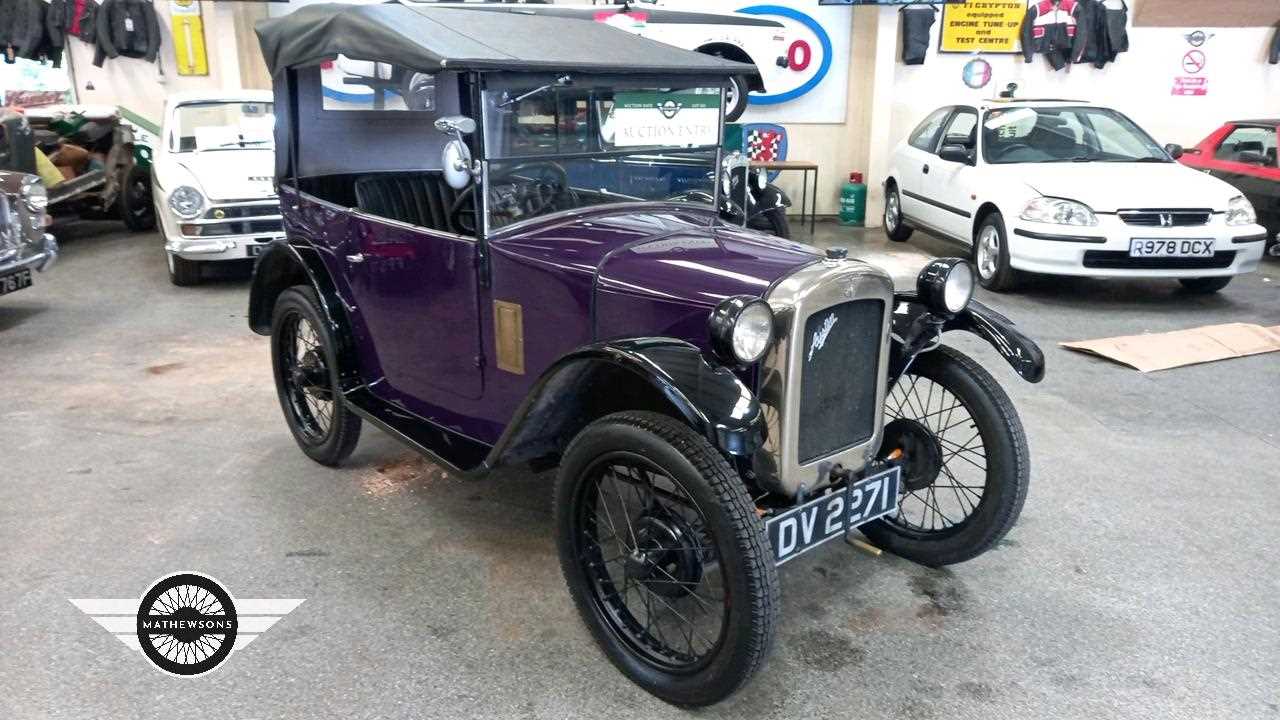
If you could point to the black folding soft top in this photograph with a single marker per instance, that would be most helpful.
(431, 38)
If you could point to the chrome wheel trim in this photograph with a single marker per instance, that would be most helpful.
(891, 211)
(988, 252)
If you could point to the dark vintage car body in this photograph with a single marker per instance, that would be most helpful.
(24, 244)
(497, 348)
(1243, 153)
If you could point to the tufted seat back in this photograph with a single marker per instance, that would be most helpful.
(420, 198)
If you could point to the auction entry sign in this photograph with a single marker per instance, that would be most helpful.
(641, 119)
(990, 26)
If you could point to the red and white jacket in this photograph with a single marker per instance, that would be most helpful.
(1049, 29)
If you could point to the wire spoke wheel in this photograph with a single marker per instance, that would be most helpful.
(653, 570)
(306, 378)
(945, 476)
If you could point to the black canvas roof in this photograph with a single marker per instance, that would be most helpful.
(431, 38)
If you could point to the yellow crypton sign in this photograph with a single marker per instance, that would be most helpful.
(188, 37)
(982, 26)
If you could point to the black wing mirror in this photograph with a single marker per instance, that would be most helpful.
(957, 153)
(1175, 150)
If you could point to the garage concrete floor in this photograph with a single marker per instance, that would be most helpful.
(140, 435)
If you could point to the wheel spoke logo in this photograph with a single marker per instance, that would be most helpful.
(186, 623)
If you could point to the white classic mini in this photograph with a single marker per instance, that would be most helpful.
(213, 186)
(1067, 188)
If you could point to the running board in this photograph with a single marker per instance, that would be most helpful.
(458, 453)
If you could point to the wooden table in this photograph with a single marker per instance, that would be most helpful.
(805, 167)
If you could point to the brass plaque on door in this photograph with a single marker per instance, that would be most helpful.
(508, 321)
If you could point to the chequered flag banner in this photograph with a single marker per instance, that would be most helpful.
(764, 145)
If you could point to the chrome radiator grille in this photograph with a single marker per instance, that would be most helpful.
(823, 381)
(838, 395)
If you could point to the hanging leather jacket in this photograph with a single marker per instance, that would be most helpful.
(1117, 30)
(75, 17)
(21, 28)
(127, 28)
(1049, 29)
(916, 22)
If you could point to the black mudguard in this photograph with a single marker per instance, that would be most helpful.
(658, 374)
(914, 326)
(283, 265)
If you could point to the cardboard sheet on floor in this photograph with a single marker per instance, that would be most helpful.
(1161, 351)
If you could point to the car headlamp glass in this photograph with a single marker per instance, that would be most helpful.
(946, 285)
(1240, 211)
(35, 196)
(186, 202)
(1057, 211)
(741, 329)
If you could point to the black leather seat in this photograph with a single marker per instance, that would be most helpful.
(416, 198)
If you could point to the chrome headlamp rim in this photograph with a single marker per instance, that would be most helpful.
(723, 327)
(946, 285)
(35, 196)
(192, 211)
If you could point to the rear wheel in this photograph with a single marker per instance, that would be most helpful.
(966, 463)
(735, 101)
(182, 272)
(665, 557)
(304, 361)
(894, 227)
(1204, 286)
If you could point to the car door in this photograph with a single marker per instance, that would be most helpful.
(417, 291)
(948, 184)
(1247, 158)
(914, 163)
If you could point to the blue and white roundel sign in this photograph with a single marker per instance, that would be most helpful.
(977, 73)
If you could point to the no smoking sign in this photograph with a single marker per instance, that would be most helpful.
(1193, 62)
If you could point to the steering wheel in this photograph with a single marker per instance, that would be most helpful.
(523, 190)
(1007, 149)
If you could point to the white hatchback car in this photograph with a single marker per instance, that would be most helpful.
(1067, 188)
(214, 179)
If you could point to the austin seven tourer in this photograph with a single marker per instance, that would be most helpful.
(502, 250)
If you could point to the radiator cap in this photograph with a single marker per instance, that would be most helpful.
(837, 253)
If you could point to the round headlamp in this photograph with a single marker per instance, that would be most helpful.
(35, 196)
(186, 202)
(946, 285)
(741, 329)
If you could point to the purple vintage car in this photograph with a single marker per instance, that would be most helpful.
(507, 250)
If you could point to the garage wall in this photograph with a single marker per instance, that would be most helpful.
(1240, 83)
(142, 86)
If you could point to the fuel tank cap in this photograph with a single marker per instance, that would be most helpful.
(837, 253)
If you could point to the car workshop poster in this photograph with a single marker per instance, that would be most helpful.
(990, 26)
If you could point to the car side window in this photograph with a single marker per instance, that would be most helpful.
(1256, 145)
(962, 130)
(925, 134)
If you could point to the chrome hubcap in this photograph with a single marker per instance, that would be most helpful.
(988, 251)
(891, 212)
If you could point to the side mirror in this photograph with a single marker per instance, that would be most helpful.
(956, 153)
(456, 125)
(1175, 150)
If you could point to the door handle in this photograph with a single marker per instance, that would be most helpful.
(357, 258)
(926, 169)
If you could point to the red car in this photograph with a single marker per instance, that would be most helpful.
(1243, 152)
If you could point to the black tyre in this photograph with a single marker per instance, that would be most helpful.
(773, 222)
(1205, 285)
(304, 362)
(665, 557)
(894, 226)
(991, 255)
(183, 273)
(966, 461)
(735, 102)
(136, 206)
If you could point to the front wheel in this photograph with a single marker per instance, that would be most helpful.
(991, 255)
(966, 464)
(1205, 285)
(137, 208)
(665, 557)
